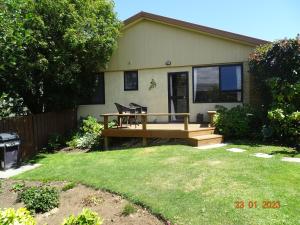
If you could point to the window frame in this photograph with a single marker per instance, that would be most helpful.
(137, 80)
(220, 92)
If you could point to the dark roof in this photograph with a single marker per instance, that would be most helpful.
(195, 27)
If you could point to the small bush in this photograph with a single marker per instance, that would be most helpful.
(19, 217)
(55, 141)
(237, 122)
(86, 217)
(88, 135)
(18, 187)
(91, 125)
(39, 199)
(128, 209)
(68, 186)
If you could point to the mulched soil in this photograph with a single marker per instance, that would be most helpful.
(109, 206)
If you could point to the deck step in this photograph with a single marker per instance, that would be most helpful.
(205, 140)
(201, 131)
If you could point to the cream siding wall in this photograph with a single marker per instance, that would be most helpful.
(155, 99)
(145, 47)
(148, 45)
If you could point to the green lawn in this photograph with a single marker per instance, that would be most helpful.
(187, 185)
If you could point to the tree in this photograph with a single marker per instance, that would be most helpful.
(51, 50)
(276, 67)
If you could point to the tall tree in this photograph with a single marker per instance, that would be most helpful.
(51, 50)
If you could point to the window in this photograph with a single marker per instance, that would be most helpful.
(130, 80)
(217, 84)
(98, 92)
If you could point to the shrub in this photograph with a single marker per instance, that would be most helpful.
(128, 209)
(68, 186)
(21, 217)
(55, 141)
(18, 187)
(284, 126)
(88, 135)
(39, 199)
(237, 122)
(276, 68)
(86, 217)
(91, 125)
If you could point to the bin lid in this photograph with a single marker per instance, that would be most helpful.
(5, 137)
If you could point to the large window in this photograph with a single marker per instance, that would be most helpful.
(130, 80)
(97, 95)
(217, 84)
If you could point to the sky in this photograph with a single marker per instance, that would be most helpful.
(265, 19)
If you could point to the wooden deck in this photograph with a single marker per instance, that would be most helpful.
(196, 134)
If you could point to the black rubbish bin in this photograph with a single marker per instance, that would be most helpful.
(9, 150)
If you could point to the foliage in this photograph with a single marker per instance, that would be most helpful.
(68, 186)
(11, 106)
(88, 135)
(51, 51)
(20, 216)
(91, 125)
(39, 199)
(128, 209)
(18, 187)
(285, 125)
(86, 217)
(55, 141)
(237, 122)
(276, 67)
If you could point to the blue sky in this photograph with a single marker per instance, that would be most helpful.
(265, 19)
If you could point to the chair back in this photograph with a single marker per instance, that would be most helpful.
(141, 109)
(122, 109)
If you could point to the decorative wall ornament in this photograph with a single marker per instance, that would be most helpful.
(152, 84)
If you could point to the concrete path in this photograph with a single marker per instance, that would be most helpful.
(289, 159)
(235, 150)
(15, 171)
(262, 155)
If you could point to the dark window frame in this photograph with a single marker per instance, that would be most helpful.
(137, 80)
(220, 92)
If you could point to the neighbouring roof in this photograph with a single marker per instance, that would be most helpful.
(194, 27)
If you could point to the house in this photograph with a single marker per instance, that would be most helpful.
(171, 66)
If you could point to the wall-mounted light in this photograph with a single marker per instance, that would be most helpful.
(168, 62)
(129, 62)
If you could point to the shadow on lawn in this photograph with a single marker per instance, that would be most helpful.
(250, 143)
(36, 158)
(285, 152)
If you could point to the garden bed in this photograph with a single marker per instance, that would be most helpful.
(109, 206)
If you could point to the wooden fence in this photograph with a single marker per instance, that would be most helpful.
(34, 130)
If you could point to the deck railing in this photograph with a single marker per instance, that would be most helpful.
(144, 120)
